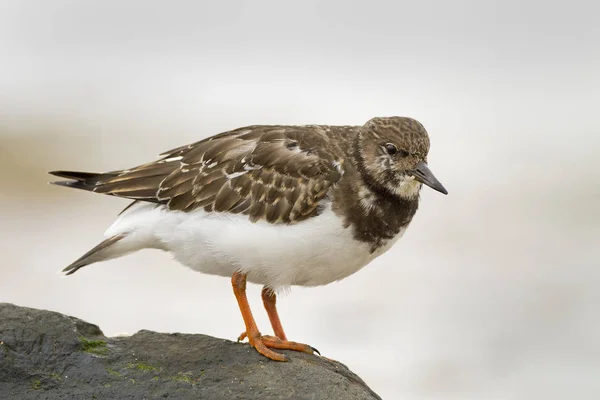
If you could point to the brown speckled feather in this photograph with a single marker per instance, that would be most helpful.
(371, 174)
(276, 173)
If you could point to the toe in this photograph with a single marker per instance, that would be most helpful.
(276, 343)
(260, 346)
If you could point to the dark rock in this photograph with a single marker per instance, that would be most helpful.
(47, 355)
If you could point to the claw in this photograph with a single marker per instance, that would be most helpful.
(264, 344)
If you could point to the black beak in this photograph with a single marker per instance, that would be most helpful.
(424, 175)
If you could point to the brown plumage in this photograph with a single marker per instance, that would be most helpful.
(282, 174)
(275, 173)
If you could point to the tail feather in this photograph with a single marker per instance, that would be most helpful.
(80, 180)
(76, 175)
(75, 184)
(140, 184)
(99, 253)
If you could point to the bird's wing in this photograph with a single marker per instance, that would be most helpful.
(278, 174)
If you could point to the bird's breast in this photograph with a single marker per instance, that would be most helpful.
(314, 252)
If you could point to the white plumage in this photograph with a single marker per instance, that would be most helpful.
(313, 252)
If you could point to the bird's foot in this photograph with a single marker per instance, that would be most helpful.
(264, 343)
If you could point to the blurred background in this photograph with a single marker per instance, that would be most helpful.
(493, 292)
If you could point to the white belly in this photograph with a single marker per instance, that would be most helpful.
(310, 253)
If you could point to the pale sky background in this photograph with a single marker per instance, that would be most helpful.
(493, 292)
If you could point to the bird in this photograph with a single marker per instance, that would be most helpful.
(274, 205)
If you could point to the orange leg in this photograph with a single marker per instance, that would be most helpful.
(259, 342)
(269, 299)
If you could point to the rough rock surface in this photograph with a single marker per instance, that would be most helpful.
(47, 355)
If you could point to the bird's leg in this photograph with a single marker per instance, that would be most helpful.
(269, 299)
(259, 342)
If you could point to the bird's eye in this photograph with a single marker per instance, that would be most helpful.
(391, 149)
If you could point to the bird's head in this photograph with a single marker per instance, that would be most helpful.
(393, 153)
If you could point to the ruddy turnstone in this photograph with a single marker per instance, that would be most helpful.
(273, 205)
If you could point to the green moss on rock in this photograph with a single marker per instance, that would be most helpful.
(97, 347)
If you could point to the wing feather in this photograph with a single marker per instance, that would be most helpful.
(278, 174)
